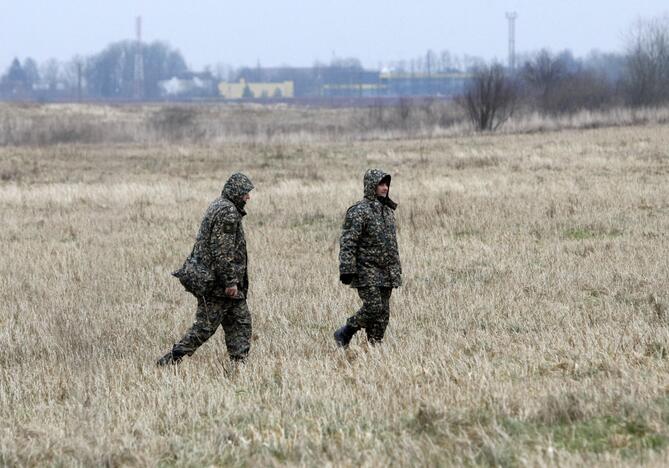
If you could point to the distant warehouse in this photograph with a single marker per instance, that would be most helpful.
(348, 82)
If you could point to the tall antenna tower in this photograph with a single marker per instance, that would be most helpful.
(511, 18)
(138, 90)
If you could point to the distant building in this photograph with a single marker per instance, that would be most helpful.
(348, 82)
(258, 90)
(397, 83)
(305, 82)
(188, 85)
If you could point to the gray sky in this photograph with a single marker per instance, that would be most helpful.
(298, 32)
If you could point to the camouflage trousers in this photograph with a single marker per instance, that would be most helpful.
(375, 311)
(232, 314)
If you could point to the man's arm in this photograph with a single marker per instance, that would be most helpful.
(348, 243)
(223, 246)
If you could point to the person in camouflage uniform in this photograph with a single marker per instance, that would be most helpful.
(219, 259)
(369, 260)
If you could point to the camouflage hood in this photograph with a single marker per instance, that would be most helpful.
(235, 188)
(372, 179)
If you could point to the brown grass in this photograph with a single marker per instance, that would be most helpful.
(279, 124)
(531, 329)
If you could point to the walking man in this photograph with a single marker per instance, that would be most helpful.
(215, 272)
(369, 260)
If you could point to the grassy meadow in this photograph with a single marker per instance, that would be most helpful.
(532, 328)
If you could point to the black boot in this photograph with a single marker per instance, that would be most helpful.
(374, 341)
(344, 334)
(169, 358)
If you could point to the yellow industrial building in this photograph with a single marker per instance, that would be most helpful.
(244, 90)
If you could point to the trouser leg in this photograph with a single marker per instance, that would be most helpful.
(377, 328)
(374, 313)
(238, 328)
(207, 319)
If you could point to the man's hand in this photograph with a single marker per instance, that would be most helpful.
(231, 292)
(346, 278)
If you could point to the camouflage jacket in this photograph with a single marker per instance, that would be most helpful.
(368, 244)
(220, 245)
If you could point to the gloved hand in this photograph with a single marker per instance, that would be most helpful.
(346, 278)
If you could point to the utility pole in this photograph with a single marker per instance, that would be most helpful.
(138, 90)
(511, 18)
(428, 60)
(79, 73)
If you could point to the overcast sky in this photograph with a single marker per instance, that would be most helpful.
(299, 32)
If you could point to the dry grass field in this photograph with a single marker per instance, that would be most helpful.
(532, 328)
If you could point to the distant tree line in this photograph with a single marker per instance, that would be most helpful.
(111, 73)
(558, 83)
(544, 81)
(108, 74)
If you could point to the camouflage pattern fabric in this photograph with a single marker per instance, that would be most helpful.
(232, 315)
(220, 246)
(374, 314)
(368, 243)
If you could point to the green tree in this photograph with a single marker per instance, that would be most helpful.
(16, 74)
(247, 93)
(14, 81)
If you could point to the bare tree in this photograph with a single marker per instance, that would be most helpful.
(71, 75)
(647, 71)
(586, 89)
(490, 97)
(31, 71)
(50, 72)
(472, 63)
(543, 73)
(448, 62)
(110, 73)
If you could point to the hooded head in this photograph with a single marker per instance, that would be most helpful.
(373, 177)
(236, 187)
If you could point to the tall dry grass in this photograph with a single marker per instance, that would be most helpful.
(53, 124)
(532, 328)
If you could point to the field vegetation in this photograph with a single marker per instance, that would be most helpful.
(532, 327)
(276, 125)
